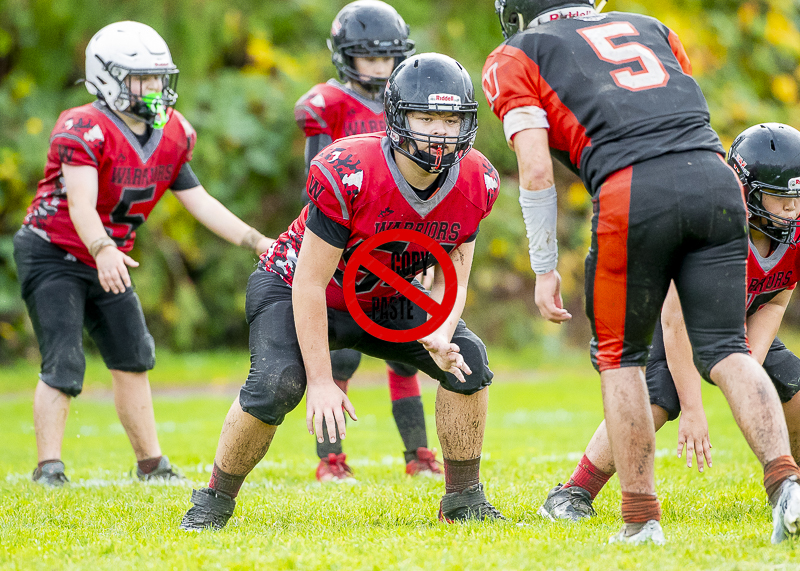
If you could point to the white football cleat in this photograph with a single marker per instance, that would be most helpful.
(639, 533)
(786, 513)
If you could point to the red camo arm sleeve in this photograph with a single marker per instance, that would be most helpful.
(680, 53)
(510, 80)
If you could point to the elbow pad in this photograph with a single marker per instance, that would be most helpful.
(540, 211)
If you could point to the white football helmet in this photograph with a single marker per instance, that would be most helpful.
(126, 49)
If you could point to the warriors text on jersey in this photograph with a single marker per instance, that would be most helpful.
(767, 277)
(332, 109)
(357, 184)
(615, 88)
(131, 178)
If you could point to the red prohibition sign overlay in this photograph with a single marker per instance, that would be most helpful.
(438, 312)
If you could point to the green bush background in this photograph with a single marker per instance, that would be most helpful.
(244, 64)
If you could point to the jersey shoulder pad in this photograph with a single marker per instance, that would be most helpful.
(336, 175)
(479, 181)
(187, 130)
(79, 136)
(316, 111)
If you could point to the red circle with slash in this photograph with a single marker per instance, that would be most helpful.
(438, 312)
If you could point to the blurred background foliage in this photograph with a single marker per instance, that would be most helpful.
(244, 64)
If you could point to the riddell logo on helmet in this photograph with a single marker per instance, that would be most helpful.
(794, 183)
(444, 99)
(571, 14)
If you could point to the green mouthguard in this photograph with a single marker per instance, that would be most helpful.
(155, 103)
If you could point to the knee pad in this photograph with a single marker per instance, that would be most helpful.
(344, 363)
(474, 352)
(270, 394)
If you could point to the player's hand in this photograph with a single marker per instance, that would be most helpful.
(112, 269)
(693, 435)
(547, 295)
(446, 356)
(325, 401)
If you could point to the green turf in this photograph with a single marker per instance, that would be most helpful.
(535, 434)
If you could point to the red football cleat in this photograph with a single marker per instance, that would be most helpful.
(425, 464)
(334, 469)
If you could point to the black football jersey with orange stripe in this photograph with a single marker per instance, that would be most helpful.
(616, 89)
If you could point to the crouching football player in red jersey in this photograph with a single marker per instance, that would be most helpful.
(368, 40)
(422, 176)
(109, 163)
(767, 159)
(666, 208)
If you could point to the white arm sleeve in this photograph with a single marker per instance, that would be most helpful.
(521, 118)
(540, 211)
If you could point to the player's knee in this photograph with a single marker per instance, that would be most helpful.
(344, 363)
(271, 394)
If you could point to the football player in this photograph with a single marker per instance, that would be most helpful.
(108, 165)
(767, 159)
(421, 175)
(368, 40)
(611, 95)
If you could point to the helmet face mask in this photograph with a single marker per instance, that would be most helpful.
(516, 15)
(430, 83)
(119, 54)
(368, 29)
(766, 158)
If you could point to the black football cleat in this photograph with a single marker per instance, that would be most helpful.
(469, 505)
(211, 510)
(163, 472)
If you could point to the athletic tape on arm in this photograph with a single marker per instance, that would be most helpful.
(540, 211)
(521, 118)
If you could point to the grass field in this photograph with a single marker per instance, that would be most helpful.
(538, 424)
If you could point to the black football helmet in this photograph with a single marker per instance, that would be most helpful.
(516, 15)
(368, 28)
(767, 159)
(430, 82)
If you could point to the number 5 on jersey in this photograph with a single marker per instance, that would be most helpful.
(652, 74)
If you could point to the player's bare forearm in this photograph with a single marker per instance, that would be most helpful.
(680, 362)
(315, 266)
(212, 214)
(311, 324)
(763, 325)
(533, 159)
(82, 202)
(462, 260)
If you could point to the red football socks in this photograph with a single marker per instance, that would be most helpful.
(402, 387)
(588, 476)
(461, 474)
(148, 464)
(775, 472)
(640, 508)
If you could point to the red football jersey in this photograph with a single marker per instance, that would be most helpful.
(615, 88)
(767, 277)
(356, 183)
(131, 178)
(332, 109)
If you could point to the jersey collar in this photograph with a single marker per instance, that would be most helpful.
(152, 143)
(374, 105)
(421, 207)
